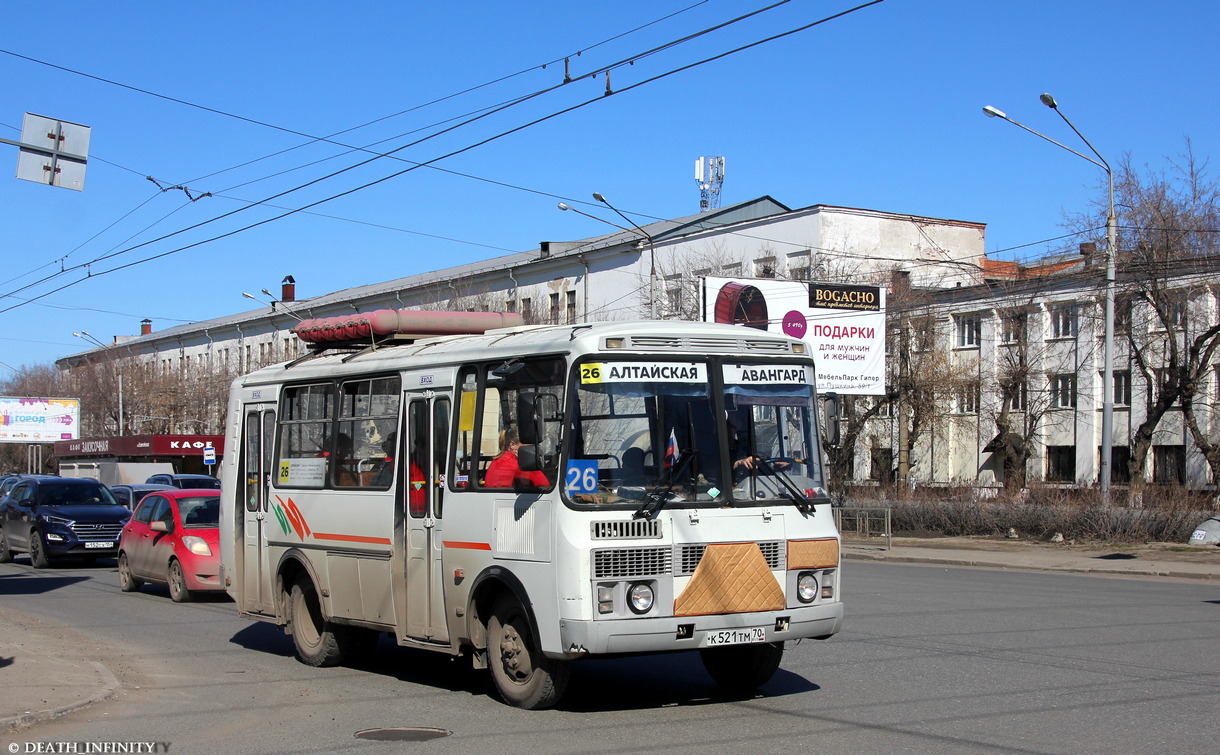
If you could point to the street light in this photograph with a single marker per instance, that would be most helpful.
(272, 303)
(1107, 405)
(86, 335)
(652, 254)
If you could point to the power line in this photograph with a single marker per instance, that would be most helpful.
(480, 143)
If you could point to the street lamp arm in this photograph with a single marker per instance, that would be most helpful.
(993, 113)
(569, 208)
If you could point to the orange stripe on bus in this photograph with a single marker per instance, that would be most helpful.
(469, 546)
(352, 538)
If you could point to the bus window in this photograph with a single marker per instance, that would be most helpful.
(368, 414)
(488, 450)
(305, 438)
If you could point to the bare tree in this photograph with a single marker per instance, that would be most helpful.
(1168, 220)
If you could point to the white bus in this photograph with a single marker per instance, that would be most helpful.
(533, 495)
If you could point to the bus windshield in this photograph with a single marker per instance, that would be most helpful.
(653, 432)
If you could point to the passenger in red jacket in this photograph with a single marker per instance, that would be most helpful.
(504, 471)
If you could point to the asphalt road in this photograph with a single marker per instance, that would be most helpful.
(933, 659)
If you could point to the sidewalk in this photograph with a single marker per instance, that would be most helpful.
(1153, 560)
(45, 672)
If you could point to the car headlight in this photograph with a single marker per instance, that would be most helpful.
(806, 587)
(640, 597)
(196, 545)
(58, 520)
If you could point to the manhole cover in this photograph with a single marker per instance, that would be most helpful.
(412, 734)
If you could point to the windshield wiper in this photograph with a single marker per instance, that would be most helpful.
(803, 504)
(654, 498)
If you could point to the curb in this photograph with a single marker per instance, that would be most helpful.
(110, 685)
(986, 564)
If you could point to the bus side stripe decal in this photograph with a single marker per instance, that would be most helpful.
(469, 546)
(351, 538)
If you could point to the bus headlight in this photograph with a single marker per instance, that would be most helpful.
(806, 587)
(640, 597)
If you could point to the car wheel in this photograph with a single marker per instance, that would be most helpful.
(524, 677)
(318, 642)
(127, 583)
(177, 584)
(6, 553)
(742, 668)
(38, 551)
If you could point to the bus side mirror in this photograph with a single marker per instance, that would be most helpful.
(529, 418)
(831, 412)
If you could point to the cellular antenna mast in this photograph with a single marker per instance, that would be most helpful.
(709, 174)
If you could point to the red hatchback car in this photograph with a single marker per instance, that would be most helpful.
(173, 539)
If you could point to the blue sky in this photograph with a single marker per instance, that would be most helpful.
(880, 109)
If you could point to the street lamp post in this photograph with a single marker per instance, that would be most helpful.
(1107, 388)
(118, 373)
(652, 253)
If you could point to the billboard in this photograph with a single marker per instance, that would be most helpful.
(843, 324)
(38, 420)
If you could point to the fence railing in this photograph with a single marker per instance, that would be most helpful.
(864, 523)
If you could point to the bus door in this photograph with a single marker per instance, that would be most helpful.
(427, 436)
(258, 433)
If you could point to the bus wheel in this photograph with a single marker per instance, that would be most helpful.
(524, 677)
(318, 642)
(741, 668)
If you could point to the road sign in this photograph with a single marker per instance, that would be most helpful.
(209, 455)
(52, 152)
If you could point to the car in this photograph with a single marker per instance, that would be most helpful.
(54, 517)
(1207, 533)
(173, 539)
(130, 495)
(185, 481)
(9, 480)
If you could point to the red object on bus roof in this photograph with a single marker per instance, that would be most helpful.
(383, 322)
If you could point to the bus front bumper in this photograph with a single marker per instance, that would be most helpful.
(650, 635)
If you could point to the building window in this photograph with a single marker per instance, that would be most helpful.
(1063, 391)
(966, 400)
(1169, 464)
(731, 270)
(1122, 387)
(1122, 316)
(553, 314)
(881, 466)
(1013, 327)
(764, 267)
(922, 334)
(527, 311)
(799, 267)
(1061, 463)
(969, 330)
(1177, 313)
(571, 307)
(1165, 380)
(1120, 464)
(1064, 321)
(673, 293)
(510, 306)
(1015, 396)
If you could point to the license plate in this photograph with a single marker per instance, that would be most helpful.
(734, 637)
(99, 544)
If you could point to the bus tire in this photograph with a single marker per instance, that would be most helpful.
(318, 642)
(524, 677)
(742, 668)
